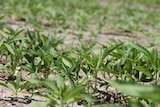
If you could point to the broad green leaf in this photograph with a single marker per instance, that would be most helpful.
(34, 81)
(10, 85)
(87, 97)
(107, 105)
(44, 37)
(25, 85)
(46, 82)
(4, 85)
(39, 104)
(74, 93)
(69, 101)
(141, 91)
(67, 61)
(3, 34)
(50, 84)
(48, 58)
(143, 70)
(10, 49)
(135, 103)
(60, 82)
(78, 93)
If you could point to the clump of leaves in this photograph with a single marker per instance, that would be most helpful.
(61, 94)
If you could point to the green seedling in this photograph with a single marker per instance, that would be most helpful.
(60, 94)
(16, 85)
(77, 66)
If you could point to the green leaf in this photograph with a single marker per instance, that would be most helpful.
(44, 37)
(39, 104)
(4, 85)
(143, 70)
(1, 17)
(12, 85)
(16, 39)
(46, 82)
(1, 42)
(86, 57)
(99, 59)
(135, 103)
(10, 49)
(25, 85)
(124, 58)
(141, 49)
(60, 82)
(141, 91)
(74, 93)
(9, 85)
(29, 68)
(50, 84)
(155, 57)
(108, 50)
(3, 34)
(87, 97)
(107, 105)
(48, 58)
(67, 61)
(29, 58)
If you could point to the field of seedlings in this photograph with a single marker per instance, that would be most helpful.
(79, 53)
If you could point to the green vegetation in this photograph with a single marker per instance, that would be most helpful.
(79, 71)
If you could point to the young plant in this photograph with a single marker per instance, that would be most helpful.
(16, 85)
(59, 93)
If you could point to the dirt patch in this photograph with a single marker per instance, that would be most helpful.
(8, 99)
